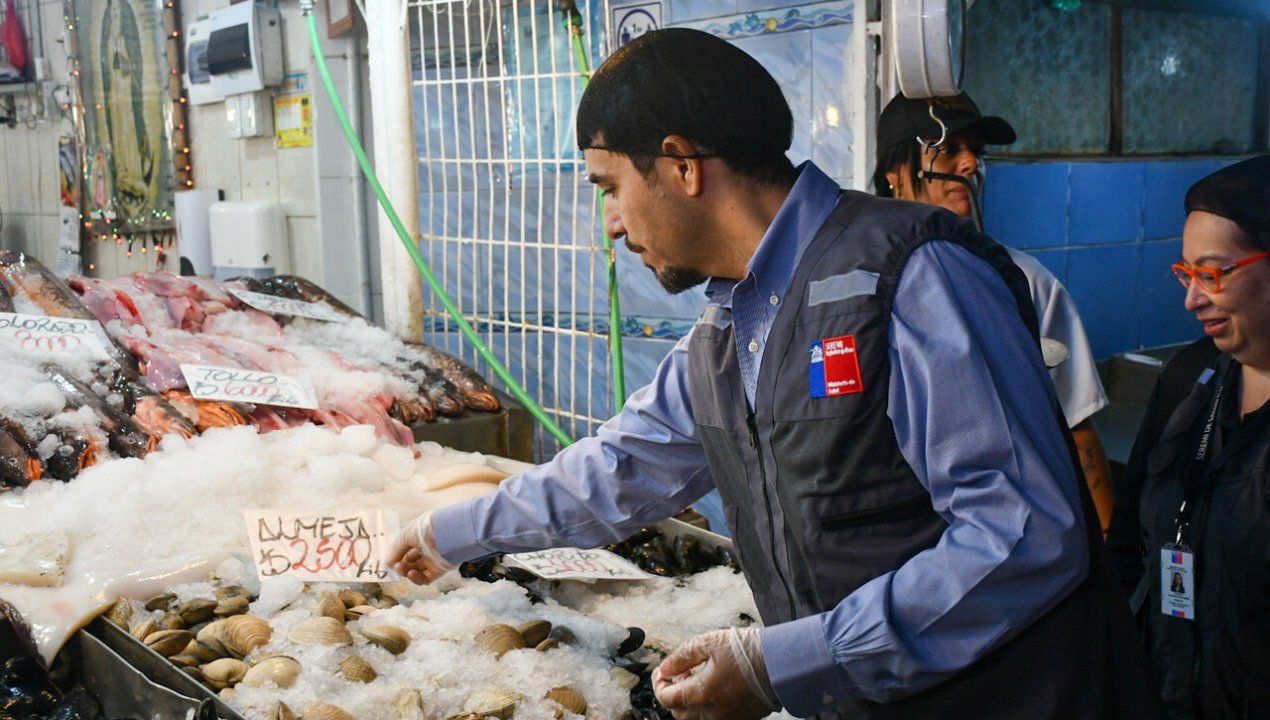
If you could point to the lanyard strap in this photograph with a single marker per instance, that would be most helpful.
(1198, 475)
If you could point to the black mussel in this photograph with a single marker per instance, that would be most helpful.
(78, 704)
(634, 641)
(644, 702)
(482, 570)
(726, 557)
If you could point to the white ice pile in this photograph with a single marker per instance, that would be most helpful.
(172, 520)
(140, 525)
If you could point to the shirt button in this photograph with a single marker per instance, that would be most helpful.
(753, 346)
(774, 300)
(827, 699)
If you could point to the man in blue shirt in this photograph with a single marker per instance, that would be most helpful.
(865, 389)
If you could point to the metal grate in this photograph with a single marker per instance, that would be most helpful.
(507, 219)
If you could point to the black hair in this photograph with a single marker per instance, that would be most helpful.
(1240, 193)
(906, 154)
(686, 82)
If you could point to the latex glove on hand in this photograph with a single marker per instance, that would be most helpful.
(719, 675)
(414, 553)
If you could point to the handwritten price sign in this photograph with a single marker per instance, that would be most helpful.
(320, 546)
(41, 335)
(286, 306)
(575, 564)
(207, 382)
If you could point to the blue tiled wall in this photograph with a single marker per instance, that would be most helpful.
(1109, 231)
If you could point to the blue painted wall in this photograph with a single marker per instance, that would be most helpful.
(1109, 231)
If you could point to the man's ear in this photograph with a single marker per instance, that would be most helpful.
(687, 171)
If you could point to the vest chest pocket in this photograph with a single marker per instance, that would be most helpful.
(713, 376)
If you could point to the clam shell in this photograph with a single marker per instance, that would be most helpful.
(320, 631)
(224, 673)
(353, 598)
(324, 711)
(185, 659)
(535, 631)
(279, 670)
(499, 638)
(236, 605)
(208, 646)
(168, 642)
(330, 605)
(280, 711)
(120, 613)
(389, 637)
(624, 678)
(143, 627)
(568, 698)
(228, 591)
(172, 621)
(161, 601)
(548, 644)
(195, 611)
(358, 612)
(493, 702)
(408, 705)
(354, 668)
(240, 634)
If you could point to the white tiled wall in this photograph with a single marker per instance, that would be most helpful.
(325, 245)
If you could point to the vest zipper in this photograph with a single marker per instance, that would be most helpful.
(767, 502)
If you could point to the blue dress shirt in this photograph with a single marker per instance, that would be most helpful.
(974, 416)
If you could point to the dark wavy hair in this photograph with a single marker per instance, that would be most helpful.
(685, 82)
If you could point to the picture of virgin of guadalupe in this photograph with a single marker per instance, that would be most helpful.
(123, 77)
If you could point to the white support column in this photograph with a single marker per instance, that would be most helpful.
(862, 81)
(391, 88)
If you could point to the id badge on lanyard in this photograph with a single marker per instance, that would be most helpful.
(1177, 581)
(1177, 560)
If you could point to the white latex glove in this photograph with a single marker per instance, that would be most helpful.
(414, 553)
(719, 675)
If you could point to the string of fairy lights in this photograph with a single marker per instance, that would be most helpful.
(152, 228)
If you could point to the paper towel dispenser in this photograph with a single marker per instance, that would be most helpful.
(244, 48)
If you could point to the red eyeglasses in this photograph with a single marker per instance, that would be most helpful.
(1210, 278)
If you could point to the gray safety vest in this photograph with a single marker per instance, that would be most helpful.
(820, 499)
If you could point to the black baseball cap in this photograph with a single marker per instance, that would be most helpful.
(905, 120)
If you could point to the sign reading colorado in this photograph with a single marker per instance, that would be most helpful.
(208, 382)
(834, 367)
(44, 335)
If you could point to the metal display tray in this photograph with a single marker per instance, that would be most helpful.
(140, 682)
(507, 433)
(131, 680)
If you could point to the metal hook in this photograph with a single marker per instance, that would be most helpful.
(943, 135)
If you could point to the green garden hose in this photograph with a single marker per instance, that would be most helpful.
(534, 408)
(573, 25)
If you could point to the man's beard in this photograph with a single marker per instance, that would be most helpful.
(678, 279)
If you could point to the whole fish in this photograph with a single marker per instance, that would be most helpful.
(298, 288)
(25, 277)
(477, 394)
(19, 462)
(122, 434)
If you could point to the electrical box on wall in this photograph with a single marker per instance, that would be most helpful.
(197, 79)
(249, 115)
(244, 48)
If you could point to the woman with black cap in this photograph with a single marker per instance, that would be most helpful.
(904, 167)
(1196, 493)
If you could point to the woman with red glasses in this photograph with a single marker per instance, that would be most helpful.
(1197, 487)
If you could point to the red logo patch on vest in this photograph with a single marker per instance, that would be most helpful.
(834, 368)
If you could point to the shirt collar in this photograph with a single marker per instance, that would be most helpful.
(805, 209)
